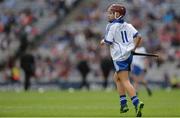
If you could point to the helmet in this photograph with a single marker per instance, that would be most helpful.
(117, 7)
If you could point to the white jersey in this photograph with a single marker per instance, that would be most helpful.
(120, 36)
(139, 60)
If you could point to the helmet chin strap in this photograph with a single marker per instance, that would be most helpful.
(117, 17)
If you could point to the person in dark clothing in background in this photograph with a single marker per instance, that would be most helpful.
(84, 69)
(23, 37)
(106, 66)
(27, 62)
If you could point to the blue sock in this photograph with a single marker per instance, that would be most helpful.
(123, 100)
(135, 101)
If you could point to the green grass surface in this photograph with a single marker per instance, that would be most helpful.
(85, 104)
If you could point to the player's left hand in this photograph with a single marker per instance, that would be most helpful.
(102, 42)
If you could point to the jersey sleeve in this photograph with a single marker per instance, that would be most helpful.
(109, 36)
(134, 32)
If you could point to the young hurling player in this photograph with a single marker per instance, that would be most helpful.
(122, 38)
(139, 67)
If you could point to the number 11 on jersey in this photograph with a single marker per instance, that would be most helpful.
(124, 36)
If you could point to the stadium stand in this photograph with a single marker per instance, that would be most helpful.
(78, 34)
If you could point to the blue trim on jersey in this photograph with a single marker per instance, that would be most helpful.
(123, 65)
(135, 35)
(120, 20)
(136, 70)
(108, 42)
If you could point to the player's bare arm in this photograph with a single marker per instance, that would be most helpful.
(137, 42)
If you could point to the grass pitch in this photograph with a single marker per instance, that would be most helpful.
(85, 104)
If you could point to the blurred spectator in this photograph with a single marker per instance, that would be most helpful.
(175, 81)
(16, 73)
(23, 42)
(167, 83)
(27, 62)
(83, 69)
(106, 65)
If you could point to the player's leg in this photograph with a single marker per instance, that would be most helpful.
(122, 70)
(122, 94)
(144, 82)
(124, 78)
(136, 73)
(135, 82)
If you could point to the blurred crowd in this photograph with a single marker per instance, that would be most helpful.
(21, 22)
(59, 54)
